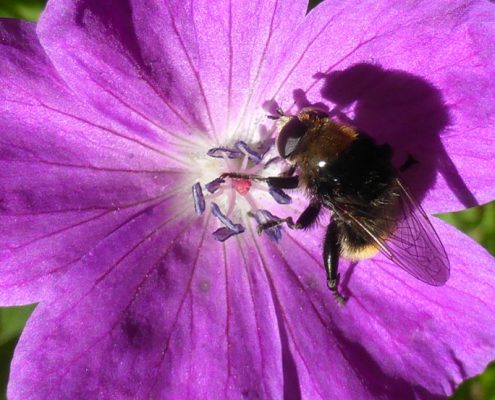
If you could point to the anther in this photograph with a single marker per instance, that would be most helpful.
(215, 210)
(248, 151)
(213, 186)
(222, 234)
(264, 217)
(199, 199)
(279, 195)
(221, 152)
(230, 228)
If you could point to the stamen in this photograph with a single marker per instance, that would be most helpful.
(279, 195)
(199, 199)
(243, 175)
(252, 154)
(231, 202)
(222, 234)
(213, 186)
(221, 152)
(236, 228)
(263, 217)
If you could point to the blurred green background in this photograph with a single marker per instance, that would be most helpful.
(478, 222)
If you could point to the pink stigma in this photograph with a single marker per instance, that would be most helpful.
(241, 185)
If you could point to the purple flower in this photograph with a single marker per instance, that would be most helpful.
(107, 112)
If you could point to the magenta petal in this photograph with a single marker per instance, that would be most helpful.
(396, 337)
(174, 310)
(68, 177)
(101, 126)
(184, 66)
(425, 85)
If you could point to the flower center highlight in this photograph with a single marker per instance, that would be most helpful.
(238, 189)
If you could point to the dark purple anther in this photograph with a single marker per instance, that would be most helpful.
(215, 210)
(263, 217)
(221, 152)
(199, 199)
(213, 186)
(222, 234)
(252, 154)
(279, 195)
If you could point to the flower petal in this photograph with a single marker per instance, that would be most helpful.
(396, 337)
(182, 315)
(184, 66)
(68, 177)
(423, 83)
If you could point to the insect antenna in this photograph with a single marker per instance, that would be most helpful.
(280, 113)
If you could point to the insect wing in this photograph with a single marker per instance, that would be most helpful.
(414, 245)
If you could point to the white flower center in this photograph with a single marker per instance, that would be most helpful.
(226, 184)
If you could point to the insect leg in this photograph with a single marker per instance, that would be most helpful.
(331, 254)
(290, 171)
(308, 216)
(235, 175)
(281, 182)
(280, 113)
(305, 220)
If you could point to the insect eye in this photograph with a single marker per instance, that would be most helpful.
(289, 136)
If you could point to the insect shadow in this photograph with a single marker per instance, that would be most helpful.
(403, 110)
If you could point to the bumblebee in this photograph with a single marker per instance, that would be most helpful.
(345, 171)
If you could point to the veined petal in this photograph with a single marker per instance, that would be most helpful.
(396, 337)
(107, 124)
(180, 313)
(423, 83)
(185, 67)
(68, 176)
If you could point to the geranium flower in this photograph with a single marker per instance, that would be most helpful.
(107, 112)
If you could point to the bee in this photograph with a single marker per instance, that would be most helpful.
(346, 172)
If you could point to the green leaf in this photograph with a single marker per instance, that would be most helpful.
(24, 9)
(12, 320)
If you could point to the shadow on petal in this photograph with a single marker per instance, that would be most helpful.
(405, 111)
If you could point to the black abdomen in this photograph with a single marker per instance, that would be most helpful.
(360, 186)
(362, 172)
